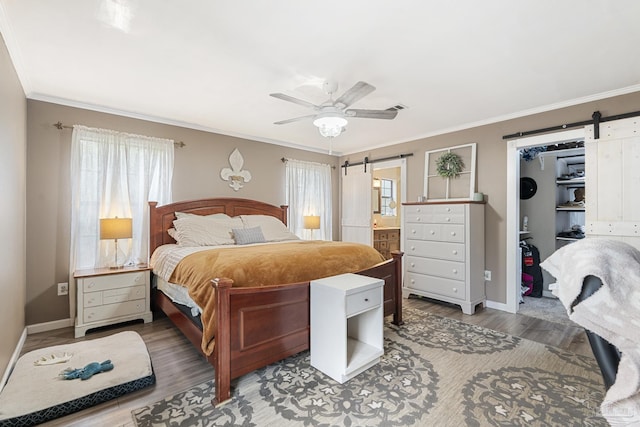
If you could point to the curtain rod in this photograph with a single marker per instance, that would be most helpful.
(285, 160)
(367, 161)
(60, 126)
(596, 119)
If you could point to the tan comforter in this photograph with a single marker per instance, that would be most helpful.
(264, 265)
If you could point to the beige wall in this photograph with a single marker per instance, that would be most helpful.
(196, 175)
(13, 171)
(492, 169)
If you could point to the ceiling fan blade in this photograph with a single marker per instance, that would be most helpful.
(296, 119)
(357, 92)
(372, 114)
(295, 100)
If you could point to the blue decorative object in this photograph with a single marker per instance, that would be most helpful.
(529, 154)
(88, 371)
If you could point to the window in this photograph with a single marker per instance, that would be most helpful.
(115, 174)
(308, 187)
(387, 197)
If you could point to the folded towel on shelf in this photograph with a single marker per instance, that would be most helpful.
(613, 312)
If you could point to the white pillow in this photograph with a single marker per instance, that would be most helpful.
(272, 228)
(196, 230)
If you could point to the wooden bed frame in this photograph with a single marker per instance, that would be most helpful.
(255, 326)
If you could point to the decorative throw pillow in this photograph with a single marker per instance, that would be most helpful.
(272, 228)
(245, 236)
(196, 230)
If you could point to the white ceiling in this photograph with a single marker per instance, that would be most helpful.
(211, 64)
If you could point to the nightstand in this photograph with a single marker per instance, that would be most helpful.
(346, 324)
(108, 296)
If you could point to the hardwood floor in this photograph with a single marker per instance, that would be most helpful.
(178, 366)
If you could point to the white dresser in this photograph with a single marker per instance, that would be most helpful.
(444, 252)
(109, 296)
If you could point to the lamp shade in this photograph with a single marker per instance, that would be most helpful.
(312, 222)
(115, 228)
(330, 125)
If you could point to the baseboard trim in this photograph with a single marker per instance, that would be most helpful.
(498, 306)
(14, 358)
(49, 326)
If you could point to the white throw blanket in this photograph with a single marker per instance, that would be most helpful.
(613, 312)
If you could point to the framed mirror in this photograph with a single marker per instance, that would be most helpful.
(375, 200)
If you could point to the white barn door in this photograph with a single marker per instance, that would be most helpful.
(612, 180)
(356, 205)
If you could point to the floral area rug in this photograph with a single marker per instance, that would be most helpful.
(435, 371)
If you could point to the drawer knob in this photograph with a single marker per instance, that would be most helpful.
(455, 290)
(418, 210)
(448, 209)
(454, 252)
(90, 285)
(418, 219)
(413, 281)
(413, 264)
(448, 219)
(413, 248)
(366, 300)
(138, 278)
(453, 233)
(432, 232)
(455, 271)
(413, 231)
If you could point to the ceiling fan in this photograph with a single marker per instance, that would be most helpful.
(331, 116)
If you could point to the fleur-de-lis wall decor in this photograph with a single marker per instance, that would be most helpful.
(235, 175)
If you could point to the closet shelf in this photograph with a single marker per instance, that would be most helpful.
(569, 209)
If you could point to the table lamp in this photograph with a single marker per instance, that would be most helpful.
(115, 228)
(311, 222)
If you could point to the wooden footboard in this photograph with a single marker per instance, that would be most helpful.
(259, 326)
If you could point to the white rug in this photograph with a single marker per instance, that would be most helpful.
(36, 393)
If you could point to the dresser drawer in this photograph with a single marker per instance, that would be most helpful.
(113, 281)
(436, 267)
(112, 296)
(435, 285)
(362, 301)
(438, 214)
(111, 311)
(436, 232)
(438, 250)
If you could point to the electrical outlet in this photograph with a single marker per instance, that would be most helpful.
(63, 289)
(487, 275)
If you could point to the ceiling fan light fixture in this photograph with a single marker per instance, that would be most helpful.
(330, 126)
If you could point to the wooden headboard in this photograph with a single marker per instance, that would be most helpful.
(161, 217)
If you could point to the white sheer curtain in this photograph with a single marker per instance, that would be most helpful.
(309, 193)
(115, 174)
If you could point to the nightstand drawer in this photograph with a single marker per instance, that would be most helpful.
(113, 281)
(361, 301)
(112, 296)
(111, 311)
